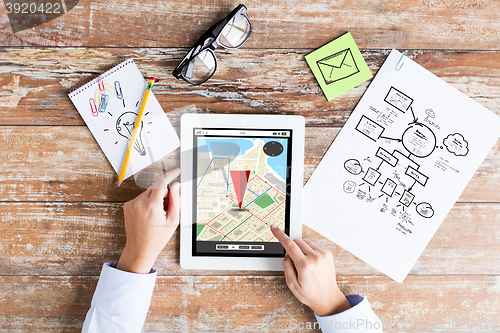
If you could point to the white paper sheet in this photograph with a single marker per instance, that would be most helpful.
(109, 105)
(398, 165)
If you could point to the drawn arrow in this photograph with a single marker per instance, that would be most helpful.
(414, 119)
(411, 187)
(384, 137)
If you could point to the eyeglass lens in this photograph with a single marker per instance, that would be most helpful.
(200, 68)
(235, 32)
(233, 35)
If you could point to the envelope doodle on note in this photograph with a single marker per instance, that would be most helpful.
(338, 66)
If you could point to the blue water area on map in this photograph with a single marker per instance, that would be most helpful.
(203, 146)
(277, 163)
(206, 145)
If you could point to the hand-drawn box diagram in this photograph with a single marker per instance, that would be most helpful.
(399, 100)
(369, 128)
(407, 198)
(371, 176)
(392, 174)
(389, 187)
(386, 156)
(415, 174)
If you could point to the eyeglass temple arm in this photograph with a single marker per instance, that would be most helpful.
(187, 59)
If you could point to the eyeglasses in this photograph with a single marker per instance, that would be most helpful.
(200, 63)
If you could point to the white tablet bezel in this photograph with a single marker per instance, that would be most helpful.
(191, 121)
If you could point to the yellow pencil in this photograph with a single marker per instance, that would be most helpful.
(136, 130)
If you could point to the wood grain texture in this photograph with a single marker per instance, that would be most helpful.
(34, 83)
(415, 24)
(64, 163)
(251, 304)
(76, 238)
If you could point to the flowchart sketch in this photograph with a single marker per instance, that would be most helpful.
(401, 161)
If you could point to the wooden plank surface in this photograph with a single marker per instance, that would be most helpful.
(63, 238)
(34, 83)
(247, 304)
(411, 24)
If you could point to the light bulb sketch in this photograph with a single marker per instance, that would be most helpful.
(125, 126)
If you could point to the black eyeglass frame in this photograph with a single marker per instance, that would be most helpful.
(209, 42)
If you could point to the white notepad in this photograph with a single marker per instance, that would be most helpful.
(109, 105)
(400, 162)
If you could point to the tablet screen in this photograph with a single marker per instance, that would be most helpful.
(241, 187)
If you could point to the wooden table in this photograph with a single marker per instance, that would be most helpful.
(61, 214)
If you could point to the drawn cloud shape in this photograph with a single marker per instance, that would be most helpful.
(424, 209)
(456, 144)
(430, 113)
(353, 166)
(349, 186)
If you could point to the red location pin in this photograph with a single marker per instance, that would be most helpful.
(240, 180)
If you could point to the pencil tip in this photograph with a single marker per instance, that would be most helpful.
(119, 183)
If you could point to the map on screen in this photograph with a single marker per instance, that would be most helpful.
(241, 184)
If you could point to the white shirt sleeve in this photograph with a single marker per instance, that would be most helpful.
(121, 301)
(359, 318)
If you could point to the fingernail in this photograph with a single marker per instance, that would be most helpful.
(274, 227)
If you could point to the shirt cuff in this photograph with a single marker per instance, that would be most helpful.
(359, 318)
(134, 291)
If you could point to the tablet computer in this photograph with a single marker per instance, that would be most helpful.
(240, 174)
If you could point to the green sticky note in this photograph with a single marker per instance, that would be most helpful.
(338, 66)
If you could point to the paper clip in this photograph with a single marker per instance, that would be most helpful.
(97, 97)
(118, 90)
(100, 84)
(109, 88)
(93, 107)
(104, 103)
(398, 67)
